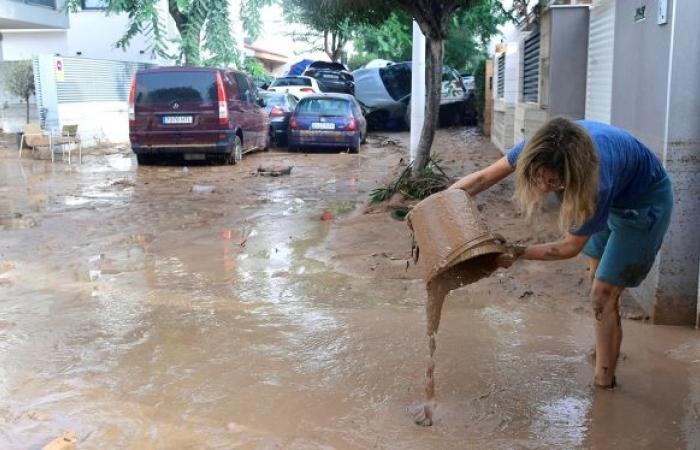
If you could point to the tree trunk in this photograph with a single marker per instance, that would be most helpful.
(26, 99)
(183, 23)
(433, 87)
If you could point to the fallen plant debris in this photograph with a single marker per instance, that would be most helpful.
(430, 180)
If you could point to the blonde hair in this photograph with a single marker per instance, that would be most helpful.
(567, 149)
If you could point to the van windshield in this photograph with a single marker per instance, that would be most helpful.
(169, 87)
(323, 107)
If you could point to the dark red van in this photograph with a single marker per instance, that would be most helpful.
(199, 113)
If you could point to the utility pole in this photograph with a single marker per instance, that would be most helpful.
(417, 89)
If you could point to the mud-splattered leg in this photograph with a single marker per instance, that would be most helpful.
(608, 328)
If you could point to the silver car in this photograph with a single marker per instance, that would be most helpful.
(385, 94)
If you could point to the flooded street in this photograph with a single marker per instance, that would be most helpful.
(164, 307)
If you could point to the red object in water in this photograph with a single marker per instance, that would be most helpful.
(327, 215)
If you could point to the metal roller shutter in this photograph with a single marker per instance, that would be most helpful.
(90, 80)
(531, 67)
(600, 61)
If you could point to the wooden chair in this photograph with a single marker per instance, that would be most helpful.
(36, 138)
(67, 140)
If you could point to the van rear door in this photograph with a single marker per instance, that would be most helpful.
(177, 108)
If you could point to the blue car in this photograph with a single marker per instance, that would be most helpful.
(327, 121)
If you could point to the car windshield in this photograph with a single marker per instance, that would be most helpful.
(397, 79)
(291, 81)
(323, 107)
(168, 87)
(275, 100)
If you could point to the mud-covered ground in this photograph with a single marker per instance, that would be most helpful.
(207, 307)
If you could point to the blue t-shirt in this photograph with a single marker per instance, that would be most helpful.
(627, 170)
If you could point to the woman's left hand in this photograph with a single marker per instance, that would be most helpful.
(512, 253)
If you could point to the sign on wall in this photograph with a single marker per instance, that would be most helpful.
(60, 74)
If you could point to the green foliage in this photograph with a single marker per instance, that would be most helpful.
(202, 25)
(256, 70)
(19, 80)
(469, 32)
(391, 39)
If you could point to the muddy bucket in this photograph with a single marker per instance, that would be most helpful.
(450, 236)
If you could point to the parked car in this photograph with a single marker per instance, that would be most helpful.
(297, 86)
(333, 81)
(331, 77)
(280, 107)
(468, 82)
(385, 92)
(327, 120)
(196, 113)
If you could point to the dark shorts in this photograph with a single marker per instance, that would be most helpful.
(627, 247)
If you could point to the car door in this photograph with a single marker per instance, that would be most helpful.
(259, 117)
(247, 117)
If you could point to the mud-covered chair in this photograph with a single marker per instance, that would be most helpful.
(67, 140)
(35, 138)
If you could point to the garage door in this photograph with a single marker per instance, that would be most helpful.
(600, 61)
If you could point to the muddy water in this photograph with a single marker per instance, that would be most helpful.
(142, 315)
(437, 289)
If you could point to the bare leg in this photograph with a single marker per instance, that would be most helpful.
(592, 267)
(608, 329)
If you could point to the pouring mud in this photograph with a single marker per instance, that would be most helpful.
(455, 248)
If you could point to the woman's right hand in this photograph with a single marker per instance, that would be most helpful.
(513, 253)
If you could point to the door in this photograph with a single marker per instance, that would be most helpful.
(245, 114)
(600, 61)
(259, 117)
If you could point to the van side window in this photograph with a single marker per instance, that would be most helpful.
(233, 86)
(244, 93)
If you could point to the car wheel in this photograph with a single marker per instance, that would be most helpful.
(144, 160)
(356, 148)
(237, 152)
(270, 141)
(364, 138)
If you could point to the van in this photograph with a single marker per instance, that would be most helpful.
(195, 113)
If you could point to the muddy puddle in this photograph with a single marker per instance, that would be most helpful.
(164, 318)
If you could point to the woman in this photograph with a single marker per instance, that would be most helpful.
(616, 203)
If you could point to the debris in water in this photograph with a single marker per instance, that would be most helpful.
(327, 215)
(274, 171)
(202, 189)
(526, 294)
(66, 441)
(123, 183)
(6, 266)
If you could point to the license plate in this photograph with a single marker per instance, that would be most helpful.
(171, 120)
(195, 156)
(322, 126)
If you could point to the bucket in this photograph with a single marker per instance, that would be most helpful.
(450, 238)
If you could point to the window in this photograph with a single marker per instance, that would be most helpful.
(291, 81)
(244, 92)
(181, 87)
(48, 3)
(323, 107)
(397, 80)
(531, 67)
(93, 4)
(501, 74)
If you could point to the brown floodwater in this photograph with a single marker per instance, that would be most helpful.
(162, 307)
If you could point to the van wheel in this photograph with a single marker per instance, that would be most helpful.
(237, 153)
(356, 148)
(144, 160)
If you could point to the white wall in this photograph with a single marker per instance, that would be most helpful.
(92, 33)
(27, 44)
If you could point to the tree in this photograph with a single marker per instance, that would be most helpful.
(20, 81)
(330, 29)
(434, 18)
(201, 24)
